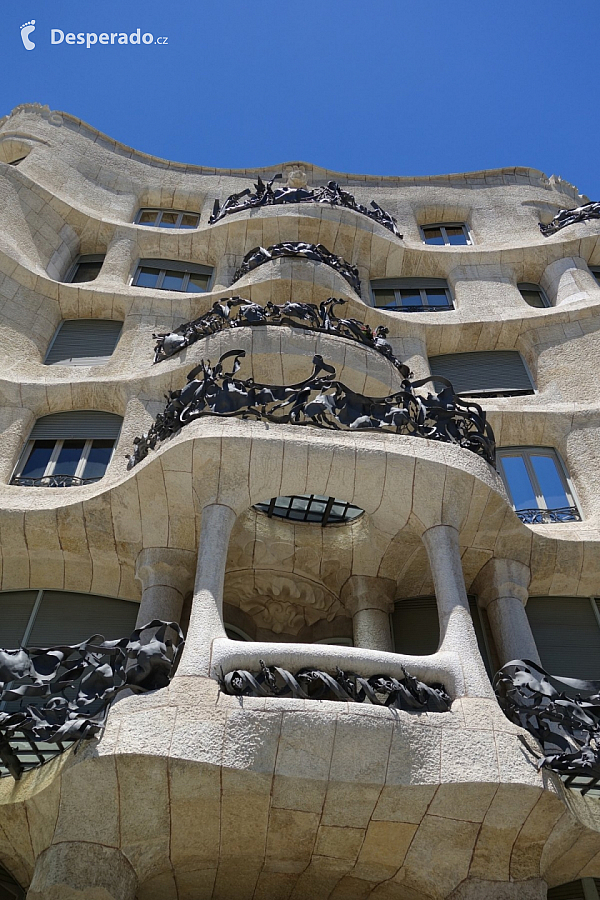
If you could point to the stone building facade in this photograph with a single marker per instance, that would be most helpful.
(205, 791)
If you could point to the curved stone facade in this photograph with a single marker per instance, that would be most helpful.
(195, 794)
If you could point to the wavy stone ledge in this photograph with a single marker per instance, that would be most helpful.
(299, 249)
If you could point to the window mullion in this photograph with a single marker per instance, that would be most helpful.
(160, 279)
(534, 482)
(424, 297)
(444, 235)
(83, 459)
(32, 618)
(49, 470)
(185, 283)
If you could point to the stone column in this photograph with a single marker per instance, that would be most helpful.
(120, 256)
(82, 871)
(206, 621)
(166, 577)
(502, 590)
(567, 280)
(456, 625)
(370, 601)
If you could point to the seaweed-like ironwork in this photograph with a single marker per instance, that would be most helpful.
(300, 249)
(61, 694)
(322, 401)
(548, 516)
(236, 312)
(332, 193)
(565, 217)
(563, 714)
(314, 684)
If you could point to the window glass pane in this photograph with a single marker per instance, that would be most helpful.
(197, 284)
(433, 236)
(189, 220)
(411, 298)
(68, 457)
(456, 234)
(169, 220)
(98, 459)
(148, 217)
(86, 272)
(384, 298)
(519, 483)
(146, 277)
(596, 274)
(534, 298)
(437, 297)
(550, 482)
(38, 459)
(173, 281)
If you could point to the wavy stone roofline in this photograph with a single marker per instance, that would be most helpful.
(484, 177)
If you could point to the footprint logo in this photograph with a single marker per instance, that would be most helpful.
(26, 30)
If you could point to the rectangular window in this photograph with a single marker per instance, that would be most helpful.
(533, 295)
(537, 485)
(83, 342)
(171, 275)
(498, 373)
(412, 294)
(167, 218)
(447, 234)
(567, 634)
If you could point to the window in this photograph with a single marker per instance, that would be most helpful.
(167, 218)
(68, 449)
(85, 268)
(169, 275)
(567, 634)
(311, 508)
(448, 234)
(584, 889)
(15, 162)
(236, 634)
(537, 485)
(9, 888)
(595, 270)
(499, 373)
(51, 618)
(83, 342)
(412, 294)
(533, 294)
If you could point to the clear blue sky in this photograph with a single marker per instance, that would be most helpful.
(379, 86)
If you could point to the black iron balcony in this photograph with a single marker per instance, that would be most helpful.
(548, 516)
(53, 481)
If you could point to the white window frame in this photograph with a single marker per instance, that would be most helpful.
(443, 226)
(159, 214)
(532, 286)
(186, 269)
(525, 453)
(51, 465)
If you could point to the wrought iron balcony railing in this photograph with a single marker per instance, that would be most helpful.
(54, 481)
(547, 516)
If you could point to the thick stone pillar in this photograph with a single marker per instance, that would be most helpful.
(206, 620)
(370, 601)
(166, 577)
(568, 280)
(456, 625)
(82, 871)
(502, 590)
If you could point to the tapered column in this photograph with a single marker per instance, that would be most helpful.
(456, 625)
(166, 577)
(370, 601)
(206, 620)
(502, 590)
(82, 871)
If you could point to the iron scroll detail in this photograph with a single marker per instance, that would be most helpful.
(566, 217)
(321, 401)
(332, 193)
(314, 684)
(307, 316)
(299, 249)
(61, 694)
(562, 714)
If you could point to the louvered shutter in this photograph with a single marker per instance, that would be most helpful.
(567, 635)
(65, 618)
(481, 373)
(84, 342)
(584, 889)
(78, 424)
(175, 265)
(15, 610)
(416, 627)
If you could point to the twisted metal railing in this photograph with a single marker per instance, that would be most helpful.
(315, 684)
(301, 250)
(548, 516)
(565, 217)
(52, 481)
(50, 698)
(323, 402)
(562, 714)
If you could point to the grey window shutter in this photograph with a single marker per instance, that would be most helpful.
(575, 890)
(79, 424)
(483, 372)
(65, 618)
(567, 635)
(15, 609)
(84, 342)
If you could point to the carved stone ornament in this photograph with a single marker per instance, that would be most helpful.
(565, 217)
(323, 402)
(562, 714)
(62, 694)
(299, 250)
(235, 312)
(313, 684)
(297, 191)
